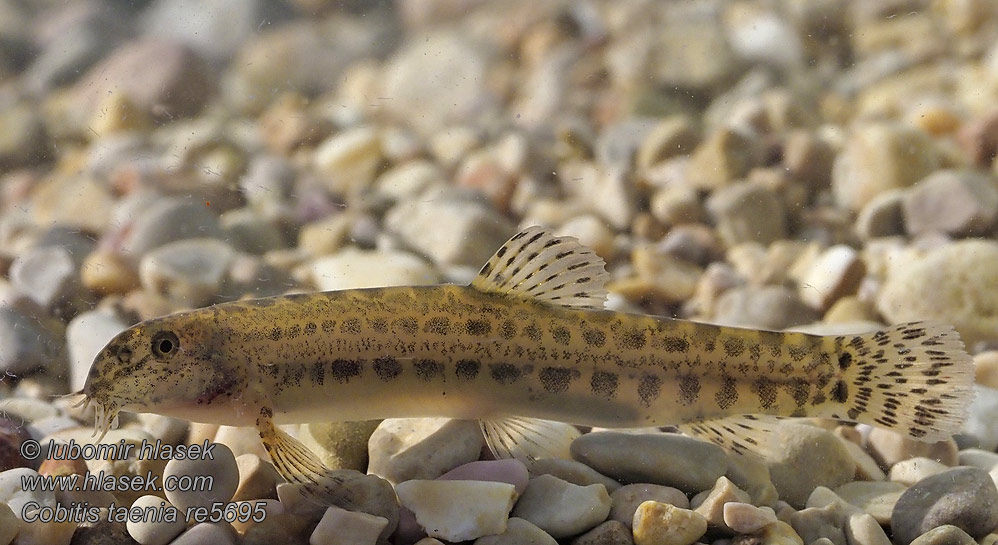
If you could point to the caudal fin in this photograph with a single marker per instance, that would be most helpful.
(915, 379)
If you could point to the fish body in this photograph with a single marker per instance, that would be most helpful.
(527, 343)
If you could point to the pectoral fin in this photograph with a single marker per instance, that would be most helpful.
(527, 439)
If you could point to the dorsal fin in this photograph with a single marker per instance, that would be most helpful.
(538, 266)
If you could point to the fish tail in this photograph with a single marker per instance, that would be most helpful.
(915, 379)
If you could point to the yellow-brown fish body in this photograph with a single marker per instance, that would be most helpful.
(529, 340)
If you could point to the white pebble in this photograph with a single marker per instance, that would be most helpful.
(222, 470)
(443, 510)
(745, 518)
(16, 497)
(158, 532)
(342, 527)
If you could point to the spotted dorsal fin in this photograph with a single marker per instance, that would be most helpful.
(538, 266)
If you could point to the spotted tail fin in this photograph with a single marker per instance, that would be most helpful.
(915, 379)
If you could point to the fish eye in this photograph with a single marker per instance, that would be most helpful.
(124, 354)
(165, 344)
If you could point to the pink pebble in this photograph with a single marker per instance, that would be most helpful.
(502, 471)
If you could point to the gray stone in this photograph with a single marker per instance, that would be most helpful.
(724, 156)
(863, 529)
(981, 422)
(205, 532)
(571, 471)
(247, 231)
(747, 212)
(188, 272)
(443, 510)
(825, 522)
(808, 457)
(626, 499)
(449, 229)
(167, 220)
(889, 447)
(965, 497)
(222, 469)
(148, 531)
(882, 216)
(667, 459)
(23, 135)
(518, 531)
(955, 202)
(944, 535)
(25, 345)
(403, 449)
(611, 532)
(268, 179)
(874, 497)
(765, 307)
(560, 508)
(48, 275)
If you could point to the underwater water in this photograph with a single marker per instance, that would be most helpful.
(808, 172)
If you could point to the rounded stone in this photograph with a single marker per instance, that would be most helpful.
(667, 459)
(665, 524)
(501, 471)
(518, 531)
(626, 499)
(965, 497)
(443, 510)
(944, 535)
(187, 272)
(168, 220)
(220, 467)
(149, 532)
(206, 532)
(403, 449)
(571, 471)
(561, 508)
(339, 445)
(808, 457)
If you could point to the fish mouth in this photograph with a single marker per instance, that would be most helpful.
(105, 413)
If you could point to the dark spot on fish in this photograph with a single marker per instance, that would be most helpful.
(343, 370)
(328, 326)
(675, 344)
(478, 327)
(350, 326)
(733, 346)
(840, 392)
(632, 339)
(378, 324)
(689, 389)
(505, 373)
(507, 329)
(594, 337)
(387, 368)
(467, 369)
(766, 390)
(800, 390)
(427, 369)
(845, 360)
(557, 379)
(310, 328)
(294, 331)
(438, 325)
(604, 384)
(318, 373)
(276, 334)
(728, 394)
(649, 387)
(406, 326)
(561, 335)
(532, 332)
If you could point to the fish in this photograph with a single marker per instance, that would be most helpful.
(529, 351)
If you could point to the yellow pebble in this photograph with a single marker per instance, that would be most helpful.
(657, 523)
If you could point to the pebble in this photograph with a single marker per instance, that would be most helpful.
(443, 510)
(48, 275)
(879, 157)
(912, 470)
(979, 458)
(954, 202)
(591, 232)
(888, 448)
(342, 527)
(969, 268)
(205, 532)
(571, 471)
(611, 532)
(946, 534)
(965, 497)
(353, 268)
(248, 231)
(665, 524)
(672, 136)
(748, 212)
(188, 272)
(86, 336)
(745, 518)
(403, 449)
(409, 179)
(24, 344)
(9, 524)
(221, 467)
(107, 272)
(167, 220)
(766, 307)
(561, 508)
(257, 479)
(149, 532)
(813, 523)
(240, 440)
(667, 459)
(518, 531)
(863, 529)
(981, 423)
(339, 445)
(723, 156)
(15, 497)
(874, 497)
(986, 369)
(711, 503)
(882, 216)
(808, 457)
(751, 475)
(508, 471)
(626, 499)
(349, 160)
(835, 273)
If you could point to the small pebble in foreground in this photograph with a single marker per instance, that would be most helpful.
(664, 524)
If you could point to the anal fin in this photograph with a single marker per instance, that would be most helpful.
(743, 434)
(527, 439)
